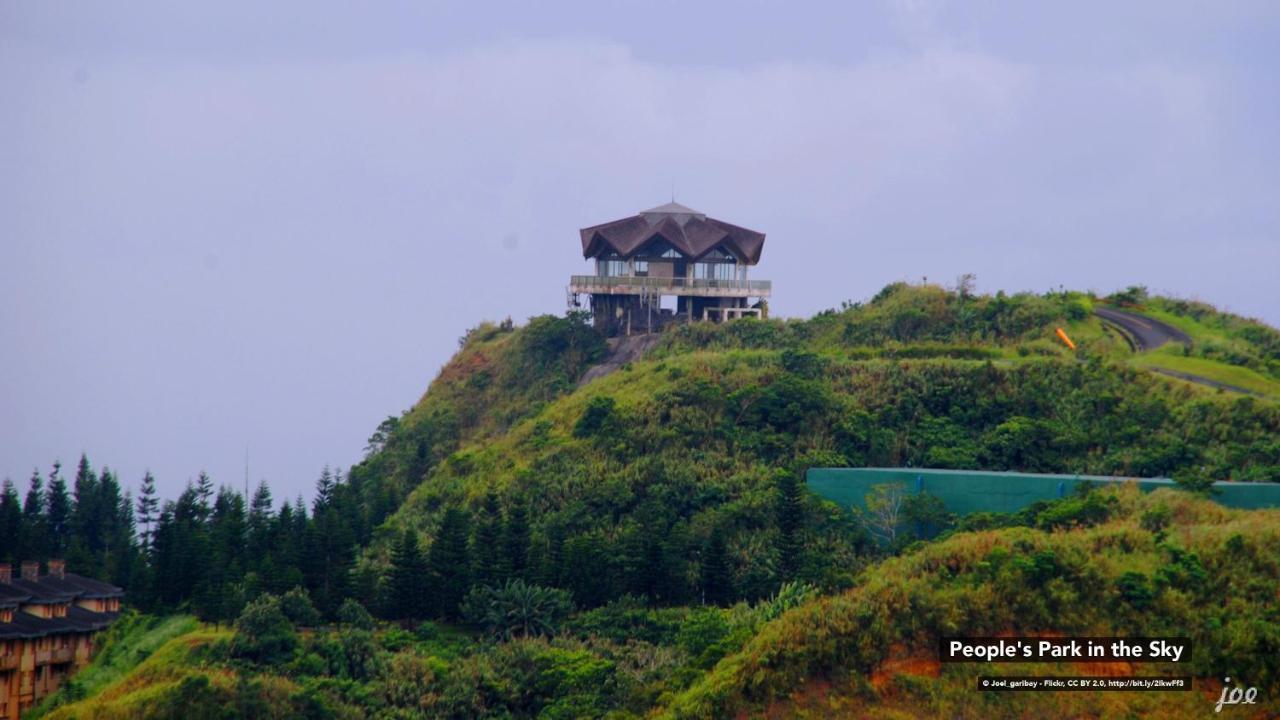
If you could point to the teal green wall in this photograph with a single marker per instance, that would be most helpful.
(966, 491)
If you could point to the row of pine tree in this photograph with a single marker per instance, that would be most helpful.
(212, 550)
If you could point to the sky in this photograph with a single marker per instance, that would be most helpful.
(248, 229)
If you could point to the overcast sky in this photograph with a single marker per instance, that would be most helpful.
(265, 225)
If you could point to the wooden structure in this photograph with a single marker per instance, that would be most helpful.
(670, 251)
(47, 628)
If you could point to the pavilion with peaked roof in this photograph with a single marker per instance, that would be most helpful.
(670, 251)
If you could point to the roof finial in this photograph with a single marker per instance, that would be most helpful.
(673, 191)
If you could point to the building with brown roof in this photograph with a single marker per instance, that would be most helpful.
(670, 251)
(48, 624)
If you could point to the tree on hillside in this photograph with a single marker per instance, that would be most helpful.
(716, 574)
(264, 633)
(85, 520)
(517, 610)
(324, 490)
(487, 544)
(148, 506)
(260, 523)
(35, 540)
(57, 513)
(884, 510)
(204, 494)
(181, 549)
(789, 512)
(329, 555)
(516, 539)
(11, 530)
(449, 563)
(408, 583)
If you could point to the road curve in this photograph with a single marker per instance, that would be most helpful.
(1147, 333)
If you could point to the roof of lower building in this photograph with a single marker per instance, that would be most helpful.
(89, 588)
(25, 625)
(11, 596)
(687, 230)
(42, 591)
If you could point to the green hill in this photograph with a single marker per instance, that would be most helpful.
(640, 544)
(627, 478)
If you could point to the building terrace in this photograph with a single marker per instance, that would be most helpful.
(670, 251)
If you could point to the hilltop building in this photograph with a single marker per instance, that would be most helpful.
(672, 252)
(47, 628)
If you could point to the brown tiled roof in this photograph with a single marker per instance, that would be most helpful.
(689, 231)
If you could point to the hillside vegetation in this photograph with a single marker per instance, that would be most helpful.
(1165, 563)
(626, 480)
(642, 544)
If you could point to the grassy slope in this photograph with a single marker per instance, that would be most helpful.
(1172, 358)
(822, 658)
(141, 655)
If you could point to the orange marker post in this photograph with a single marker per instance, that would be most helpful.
(1062, 335)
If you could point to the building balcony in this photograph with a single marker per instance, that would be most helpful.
(638, 285)
(9, 662)
(62, 655)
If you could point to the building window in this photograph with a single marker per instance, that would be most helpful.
(613, 268)
(715, 271)
(671, 253)
(642, 268)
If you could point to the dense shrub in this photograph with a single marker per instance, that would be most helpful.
(517, 610)
(263, 632)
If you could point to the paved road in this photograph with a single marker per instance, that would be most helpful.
(1150, 334)
(1204, 381)
(1146, 332)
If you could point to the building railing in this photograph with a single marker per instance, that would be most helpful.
(605, 282)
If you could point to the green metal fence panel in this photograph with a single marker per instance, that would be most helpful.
(967, 491)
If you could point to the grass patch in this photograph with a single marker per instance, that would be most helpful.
(1171, 358)
(130, 641)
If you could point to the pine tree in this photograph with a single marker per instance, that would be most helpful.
(35, 531)
(790, 516)
(449, 563)
(57, 513)
(261, 525)
(148, 506)
(550, 571)
(333, 555)
(219, 598)
(516, 539)
(204, 494)
(181, 550)
(324, 491)
(407, 583)
(11, 529)
(491, 569)
(653, 576)
(126, 566)
(85, 514)
(111, 536)
(716, 575)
